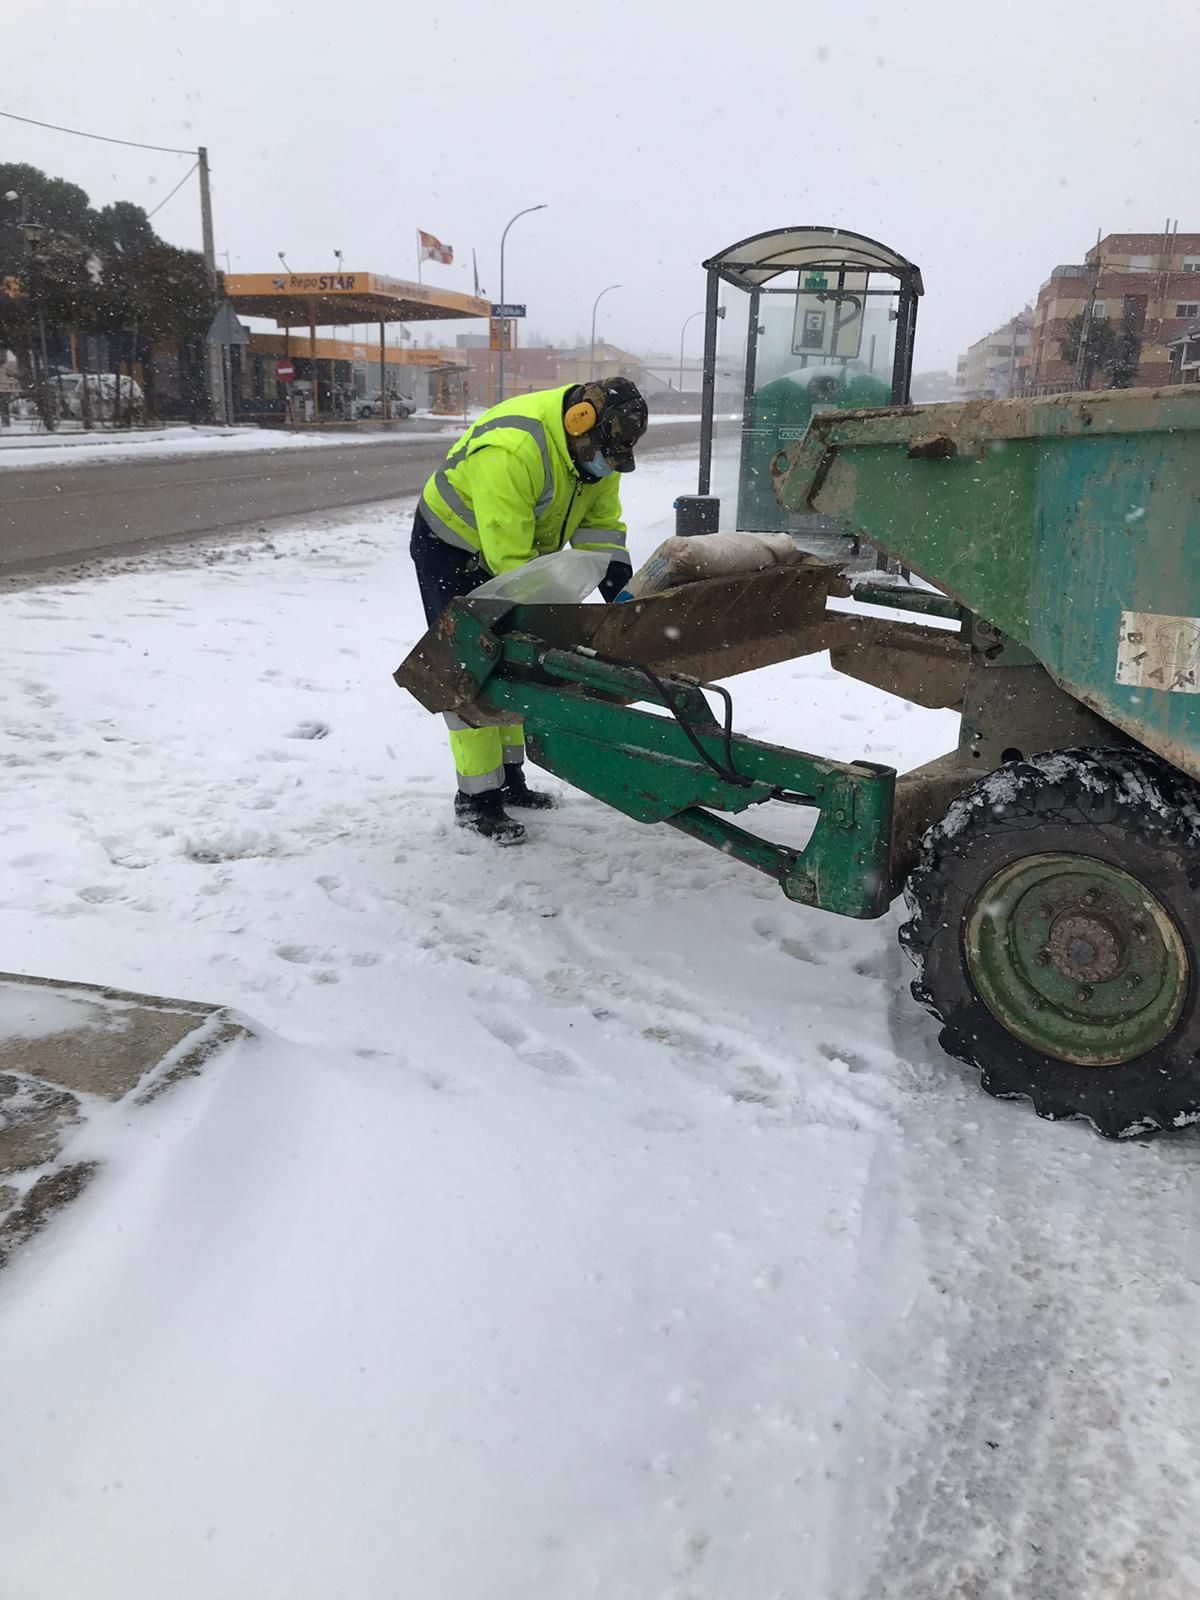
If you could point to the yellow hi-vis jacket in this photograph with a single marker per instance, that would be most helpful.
(508, 489)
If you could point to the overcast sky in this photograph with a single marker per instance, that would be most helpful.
(985, 141)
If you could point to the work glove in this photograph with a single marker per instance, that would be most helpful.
(614, 580)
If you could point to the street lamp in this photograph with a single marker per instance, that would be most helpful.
(595, 303)
(682, 331)
(503, 237)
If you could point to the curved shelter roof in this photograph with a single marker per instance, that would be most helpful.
(754, 261)
(334, 299)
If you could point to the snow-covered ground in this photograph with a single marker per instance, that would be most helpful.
(584, 1219)
(66, 448)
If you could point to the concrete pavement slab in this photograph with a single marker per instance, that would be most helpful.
(66, 1048)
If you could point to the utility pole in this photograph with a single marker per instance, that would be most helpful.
(214, 366)
(1084, 364)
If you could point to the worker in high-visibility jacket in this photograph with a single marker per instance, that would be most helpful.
(532, 475)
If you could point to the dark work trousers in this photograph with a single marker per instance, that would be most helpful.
(443, 573)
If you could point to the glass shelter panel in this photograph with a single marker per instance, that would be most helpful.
(798, 320)
(729, 395)
(828, 343)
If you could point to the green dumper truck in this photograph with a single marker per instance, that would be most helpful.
(1050, 861)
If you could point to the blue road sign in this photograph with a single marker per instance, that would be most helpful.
(502, 309)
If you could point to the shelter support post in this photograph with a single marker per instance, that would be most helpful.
(751, 377)
(708, 391)
(906, 317)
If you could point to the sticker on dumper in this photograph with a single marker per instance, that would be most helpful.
(1159, 652)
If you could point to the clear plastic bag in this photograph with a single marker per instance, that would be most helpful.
(565, 578)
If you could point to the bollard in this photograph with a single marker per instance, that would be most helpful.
(696, 514)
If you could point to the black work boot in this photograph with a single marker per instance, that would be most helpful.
(517, 792)
(484, 814)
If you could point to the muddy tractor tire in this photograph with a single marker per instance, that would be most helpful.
(1054, 925)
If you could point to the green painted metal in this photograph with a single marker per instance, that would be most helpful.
(844, 866)
(578, 666)
(1070, 522)
(780, 411)
(642, 763)
(465, 641)
(1076, 958)
(900, 597)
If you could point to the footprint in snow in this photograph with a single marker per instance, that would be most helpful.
(837, 1056)
(877, 966)
(298, 954)
(733, 1072)
(529, 1048)
(309, 730)
(340, 892)
(236, 845)
(767, 928)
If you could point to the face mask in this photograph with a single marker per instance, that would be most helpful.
(597, 467)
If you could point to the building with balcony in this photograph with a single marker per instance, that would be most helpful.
(1146, 286)
(1184, 354)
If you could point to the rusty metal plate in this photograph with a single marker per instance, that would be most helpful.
(713, 628)
(925, 665)
(718, 627)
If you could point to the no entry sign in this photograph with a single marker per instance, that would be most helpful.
(284, 372)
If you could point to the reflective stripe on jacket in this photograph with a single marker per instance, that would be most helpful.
(508, 489)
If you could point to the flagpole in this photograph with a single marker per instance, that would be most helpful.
(418, 255)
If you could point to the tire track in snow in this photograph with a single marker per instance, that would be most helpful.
(1050, 1467)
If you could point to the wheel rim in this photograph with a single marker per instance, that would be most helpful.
(1076, 958)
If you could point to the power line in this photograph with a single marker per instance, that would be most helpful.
(173, 192)
(104, 138)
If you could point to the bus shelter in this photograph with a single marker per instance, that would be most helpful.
(796, 320)
(312, 300)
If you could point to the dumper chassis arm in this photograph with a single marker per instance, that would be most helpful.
(682, 767)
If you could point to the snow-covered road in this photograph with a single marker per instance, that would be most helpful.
(584, 1219)
(69, 447)
(22, 446)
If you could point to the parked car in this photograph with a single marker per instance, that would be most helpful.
(399, 405)
(110, 395)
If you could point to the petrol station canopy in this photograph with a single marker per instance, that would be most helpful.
(337, 299)
(763, 256)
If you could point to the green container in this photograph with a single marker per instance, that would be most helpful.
(779, 416)
(1070, 522)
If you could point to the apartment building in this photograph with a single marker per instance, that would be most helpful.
(991, 369)
(1145, 285)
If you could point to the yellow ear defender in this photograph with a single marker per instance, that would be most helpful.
(583, 416)
(579, 419)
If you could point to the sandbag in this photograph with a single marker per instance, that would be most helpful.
(715, 555)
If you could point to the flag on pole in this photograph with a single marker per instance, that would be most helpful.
(433, 249)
